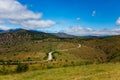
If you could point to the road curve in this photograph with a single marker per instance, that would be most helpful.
(50, 54)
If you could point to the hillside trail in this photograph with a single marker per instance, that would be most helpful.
(50, 54)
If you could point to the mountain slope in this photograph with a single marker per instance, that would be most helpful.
(20, 36)
(63, 35)
(23, 44)
(110, 45)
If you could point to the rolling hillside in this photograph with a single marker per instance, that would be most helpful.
(110, 45)
(23, 44)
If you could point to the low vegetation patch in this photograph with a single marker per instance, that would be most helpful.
(22, 68)
(106, 71)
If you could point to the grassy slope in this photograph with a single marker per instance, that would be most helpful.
(35, 46)
(81, 54)
(37, 49)
(109, 71)
(110, 46)
(22, 44)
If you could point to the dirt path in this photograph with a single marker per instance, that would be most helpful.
(50, 54)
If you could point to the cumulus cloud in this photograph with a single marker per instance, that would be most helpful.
(12, 9)
(37, 23)
(78, 30)
(118, 21)
(93, 13)
(16, 13)
(1, 21)
(4, 27)
(81, 31)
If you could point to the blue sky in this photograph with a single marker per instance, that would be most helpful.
(78, 17)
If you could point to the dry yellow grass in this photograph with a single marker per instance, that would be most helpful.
(106, 71)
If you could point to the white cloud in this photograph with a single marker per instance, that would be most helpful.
(12, 9)
(93, 13)
(118, 21)
(37, 23)
(4, 27)
(1, 21)
(80, 31)
(16, 13)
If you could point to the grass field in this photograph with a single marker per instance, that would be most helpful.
(106, 71)
(70, 62)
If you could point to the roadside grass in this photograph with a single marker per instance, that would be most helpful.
(105, 71)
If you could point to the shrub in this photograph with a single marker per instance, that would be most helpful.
(22, 68)
(3, 69)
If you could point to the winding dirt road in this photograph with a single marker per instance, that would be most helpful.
(50, 54)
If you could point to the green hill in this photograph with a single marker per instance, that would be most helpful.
(32, 45)
(110, 46)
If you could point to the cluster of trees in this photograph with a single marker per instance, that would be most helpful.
(20, 67)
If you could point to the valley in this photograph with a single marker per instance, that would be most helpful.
(41, 51)
(59, 40)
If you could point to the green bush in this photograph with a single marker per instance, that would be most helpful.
(3, 70)
(22, 68)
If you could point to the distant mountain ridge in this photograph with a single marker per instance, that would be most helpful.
(1, 31)
(64, 35)
(59, 34)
